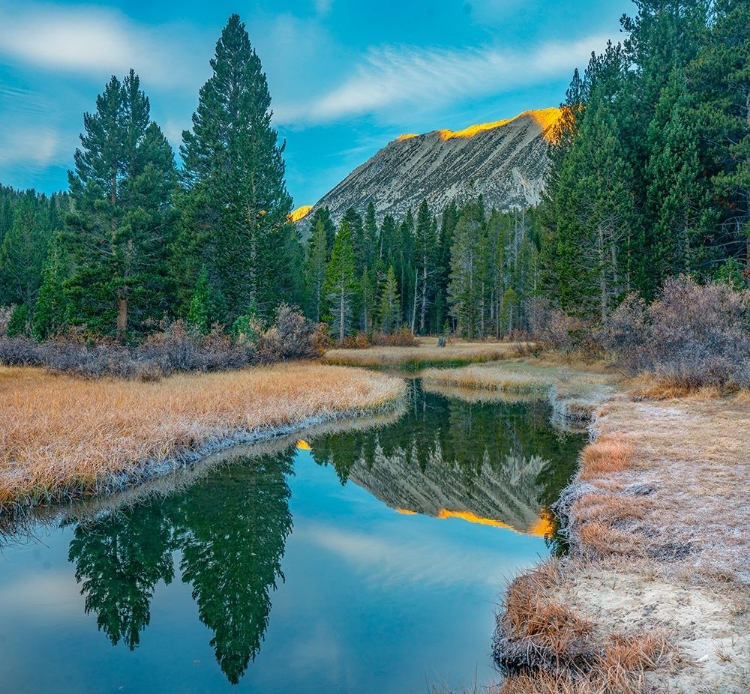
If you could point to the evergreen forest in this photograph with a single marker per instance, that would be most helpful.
(648, 179)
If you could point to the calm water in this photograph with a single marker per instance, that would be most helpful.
(364, 562)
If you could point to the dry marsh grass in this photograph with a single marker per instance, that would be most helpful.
(548, 646)
(659, 527)
(510, 378)
(62, 437)
(609, 454)
(425, 354)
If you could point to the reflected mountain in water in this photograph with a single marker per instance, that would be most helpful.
(486, 462)
(492, 463)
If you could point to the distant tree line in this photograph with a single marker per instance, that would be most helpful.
(474, 272)
(648, 179)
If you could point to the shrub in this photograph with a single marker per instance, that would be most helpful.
(563, 333)
(177, 348)
(692, 336)
(401, 338)
(291, 337)
(358, 341)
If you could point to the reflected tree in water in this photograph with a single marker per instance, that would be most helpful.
(447, 431)
(119, 560)
(231, 529)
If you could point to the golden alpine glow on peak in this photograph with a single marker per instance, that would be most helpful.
(406, 512)
(406, 136)
(468, 516)
(300, 213)
(544, 118)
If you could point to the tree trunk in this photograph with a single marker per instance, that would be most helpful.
(414, 307)
(342, 316)
(423, 315)
(122, 318)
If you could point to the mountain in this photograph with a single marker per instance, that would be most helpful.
(505, 497)
(504, 161)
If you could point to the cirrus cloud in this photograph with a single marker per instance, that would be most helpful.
(392, 81)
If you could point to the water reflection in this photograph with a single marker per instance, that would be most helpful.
(493, 463)
(224, 538)
(230, 530)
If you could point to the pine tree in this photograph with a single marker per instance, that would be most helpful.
(679, 201)
(323, 215)
(23, 252)
(207, 305)
(370, 237)
(341, 282)
(18, 323)
(389, 309)
(315, 269)
(235, 205)
(51, 306)
(463, 290)
(357, 229)
(721, 79)
(117, 238)
(425, 262)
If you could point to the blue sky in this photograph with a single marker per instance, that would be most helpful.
(345, 76)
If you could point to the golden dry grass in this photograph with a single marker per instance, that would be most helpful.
(508, 378)
(425, 354)
(658, 523)
(607, 455)
(566, 651)
(61, 436)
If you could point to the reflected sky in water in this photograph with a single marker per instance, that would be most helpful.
(272, 575)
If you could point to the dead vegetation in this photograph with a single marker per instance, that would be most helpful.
(609, 454)
(575, 389)
(63, 437)
(425, 354)
(547, 646)
(658, 520)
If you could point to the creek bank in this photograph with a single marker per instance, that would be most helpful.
(67, 438)
(655, 593)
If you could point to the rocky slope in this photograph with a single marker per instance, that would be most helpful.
(503, 497)
(504, 161)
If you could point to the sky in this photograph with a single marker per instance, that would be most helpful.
(346, 76)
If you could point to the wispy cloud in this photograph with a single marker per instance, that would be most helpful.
(323, 7)
(392, 80)
(28, 146)
(91, 41)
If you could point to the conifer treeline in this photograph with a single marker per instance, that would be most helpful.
(473, 272)
(649, 178)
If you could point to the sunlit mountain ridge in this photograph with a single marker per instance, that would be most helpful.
(504, 161)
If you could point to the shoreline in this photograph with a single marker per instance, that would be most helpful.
(188, 429)
(654, 594)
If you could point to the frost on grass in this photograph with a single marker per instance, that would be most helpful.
(62, 437)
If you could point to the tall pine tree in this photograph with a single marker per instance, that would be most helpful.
(235, 203)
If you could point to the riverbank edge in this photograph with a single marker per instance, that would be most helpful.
(185, 458)
(555, 629)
